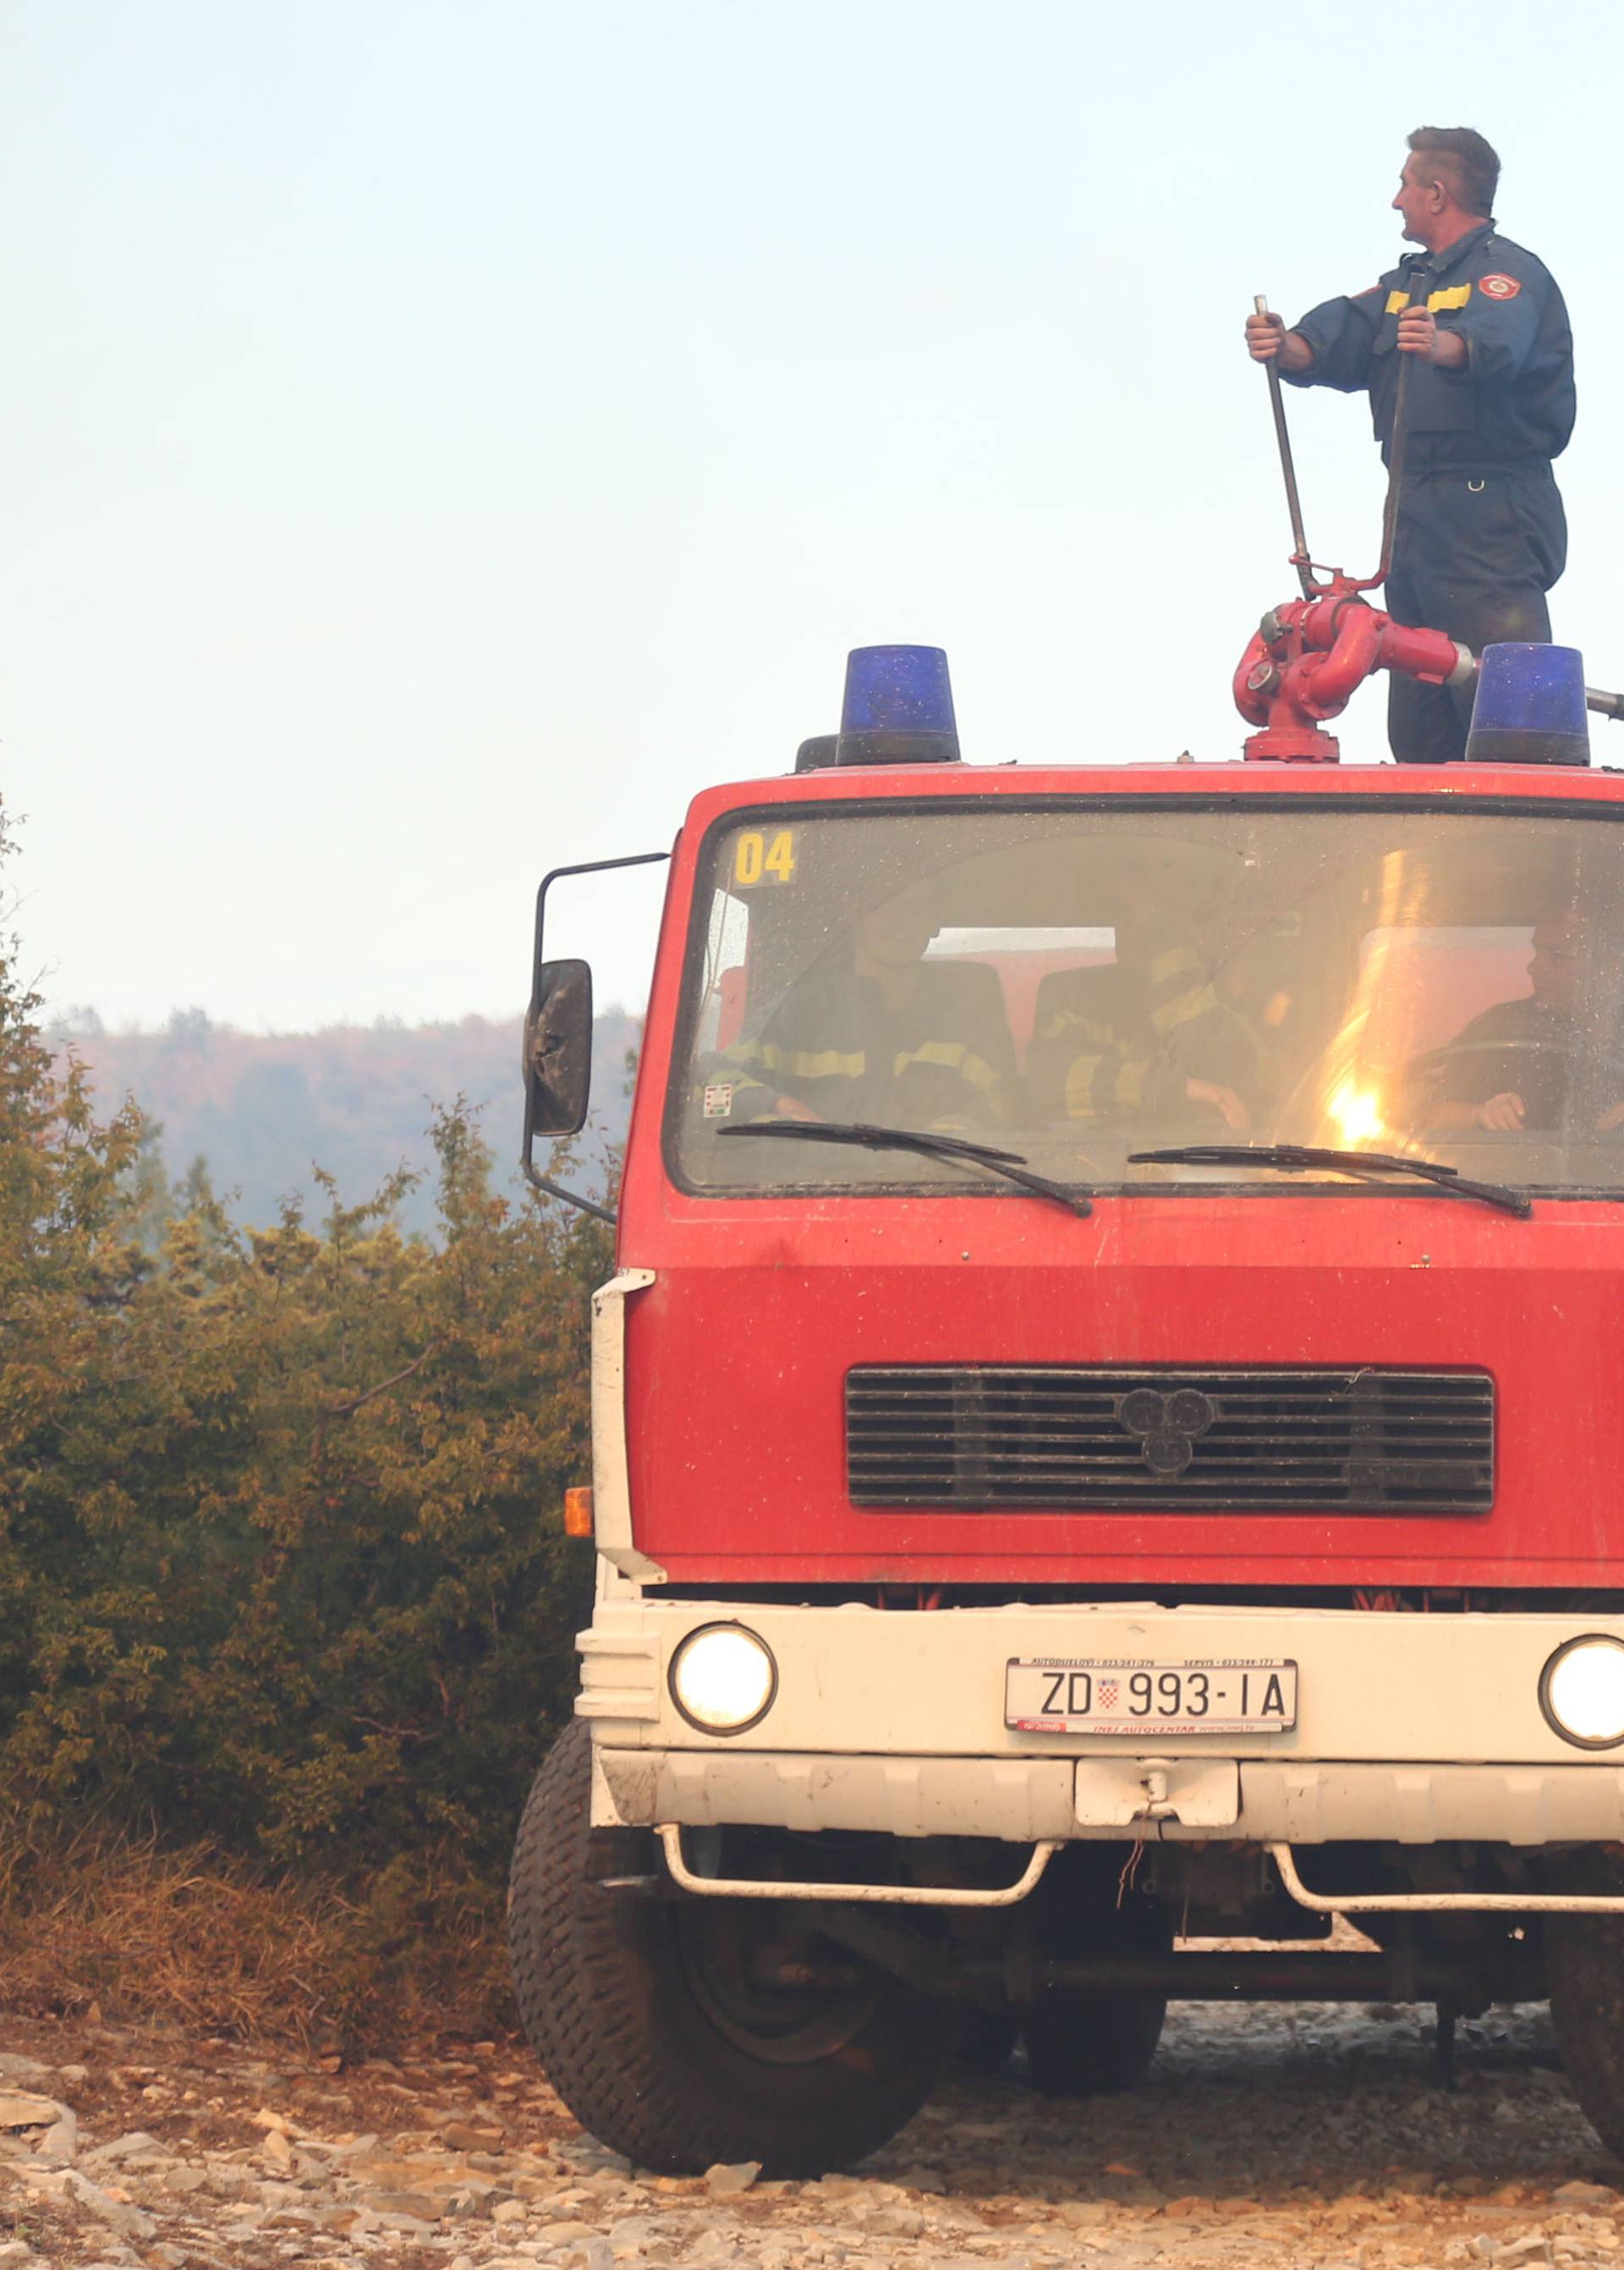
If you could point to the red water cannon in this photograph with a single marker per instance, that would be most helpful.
(1310, 656)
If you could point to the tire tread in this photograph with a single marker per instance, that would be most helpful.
(629, 2051)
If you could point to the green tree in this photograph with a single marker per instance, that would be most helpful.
(281, 1556)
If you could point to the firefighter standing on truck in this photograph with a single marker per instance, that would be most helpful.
(1481, 534)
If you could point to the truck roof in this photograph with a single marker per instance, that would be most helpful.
(1428, 786)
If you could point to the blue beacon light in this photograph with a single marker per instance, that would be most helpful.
(1529, 707)
(897, 709)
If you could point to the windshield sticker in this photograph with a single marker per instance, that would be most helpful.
(718, 1100)
(759, 858)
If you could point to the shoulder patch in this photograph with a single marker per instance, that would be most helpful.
(1499, 287)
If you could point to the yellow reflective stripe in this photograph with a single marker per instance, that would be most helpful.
(1174, 962)
(1079, 1096)
(1088, 1028)
(1122, 1083)
(1180, 1010)
(840, 1063)
(1450, 295)
(979, 1073)
(952, 1056)
(814, 1064)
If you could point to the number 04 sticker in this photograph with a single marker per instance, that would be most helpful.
(759, 857)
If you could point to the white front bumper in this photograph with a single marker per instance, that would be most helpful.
(1034, 1799)
(1411, 1729)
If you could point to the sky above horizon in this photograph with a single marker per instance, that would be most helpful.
(439, 439)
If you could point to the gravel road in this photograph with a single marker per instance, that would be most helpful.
(1265, 2137)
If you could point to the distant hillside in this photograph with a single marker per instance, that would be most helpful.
(260, 1109)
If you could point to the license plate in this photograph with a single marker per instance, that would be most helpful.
(1204, 1695)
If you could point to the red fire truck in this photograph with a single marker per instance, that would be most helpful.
(1101, 1419)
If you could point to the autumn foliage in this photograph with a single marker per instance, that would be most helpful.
(249, 1115)
(282, 1577)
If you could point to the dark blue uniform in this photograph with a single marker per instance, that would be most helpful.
(1481, 535)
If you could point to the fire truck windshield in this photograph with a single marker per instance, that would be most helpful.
(1074, 983)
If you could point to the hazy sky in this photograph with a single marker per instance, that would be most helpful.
(437, 439)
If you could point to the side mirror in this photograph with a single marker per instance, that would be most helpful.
(558, 1050)
(557, 1041)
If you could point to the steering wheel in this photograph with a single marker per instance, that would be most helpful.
(1283, 1121)
(1552, 1051)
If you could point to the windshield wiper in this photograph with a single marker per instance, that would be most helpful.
(1296, 1156)
(1010, 1164)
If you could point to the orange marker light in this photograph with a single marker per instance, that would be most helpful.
(577, 1513)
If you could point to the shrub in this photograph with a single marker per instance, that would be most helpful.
(281, 1563)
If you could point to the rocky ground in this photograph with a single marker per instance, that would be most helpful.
(1265, 2137)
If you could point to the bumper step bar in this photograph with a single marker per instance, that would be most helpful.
(1009, 1895)
(902, 1895)
(1351, 1903)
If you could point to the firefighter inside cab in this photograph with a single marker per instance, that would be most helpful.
(1480, 534)
(874, 1031)
(879, 1028)
(1513, 1066)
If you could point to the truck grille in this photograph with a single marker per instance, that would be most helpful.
(1052, 1438)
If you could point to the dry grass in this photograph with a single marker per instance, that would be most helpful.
(117, 1927)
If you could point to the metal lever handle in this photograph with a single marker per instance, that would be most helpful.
(1395, 468)
(1294, 505)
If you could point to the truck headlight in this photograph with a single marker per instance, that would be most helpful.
(1581, 1692)
(724, 1678)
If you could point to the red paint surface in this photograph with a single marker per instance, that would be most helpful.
(737, 1356)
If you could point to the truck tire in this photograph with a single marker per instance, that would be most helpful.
(981, 2041)
(644, 2017)
(1585, 1970)
(1094, 2045)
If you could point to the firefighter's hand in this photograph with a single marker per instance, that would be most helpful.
(1501, 1115)
(1268, 340)
(1611, 1120)
(1419, 334)
(790, 1107)
(1223, 1100)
